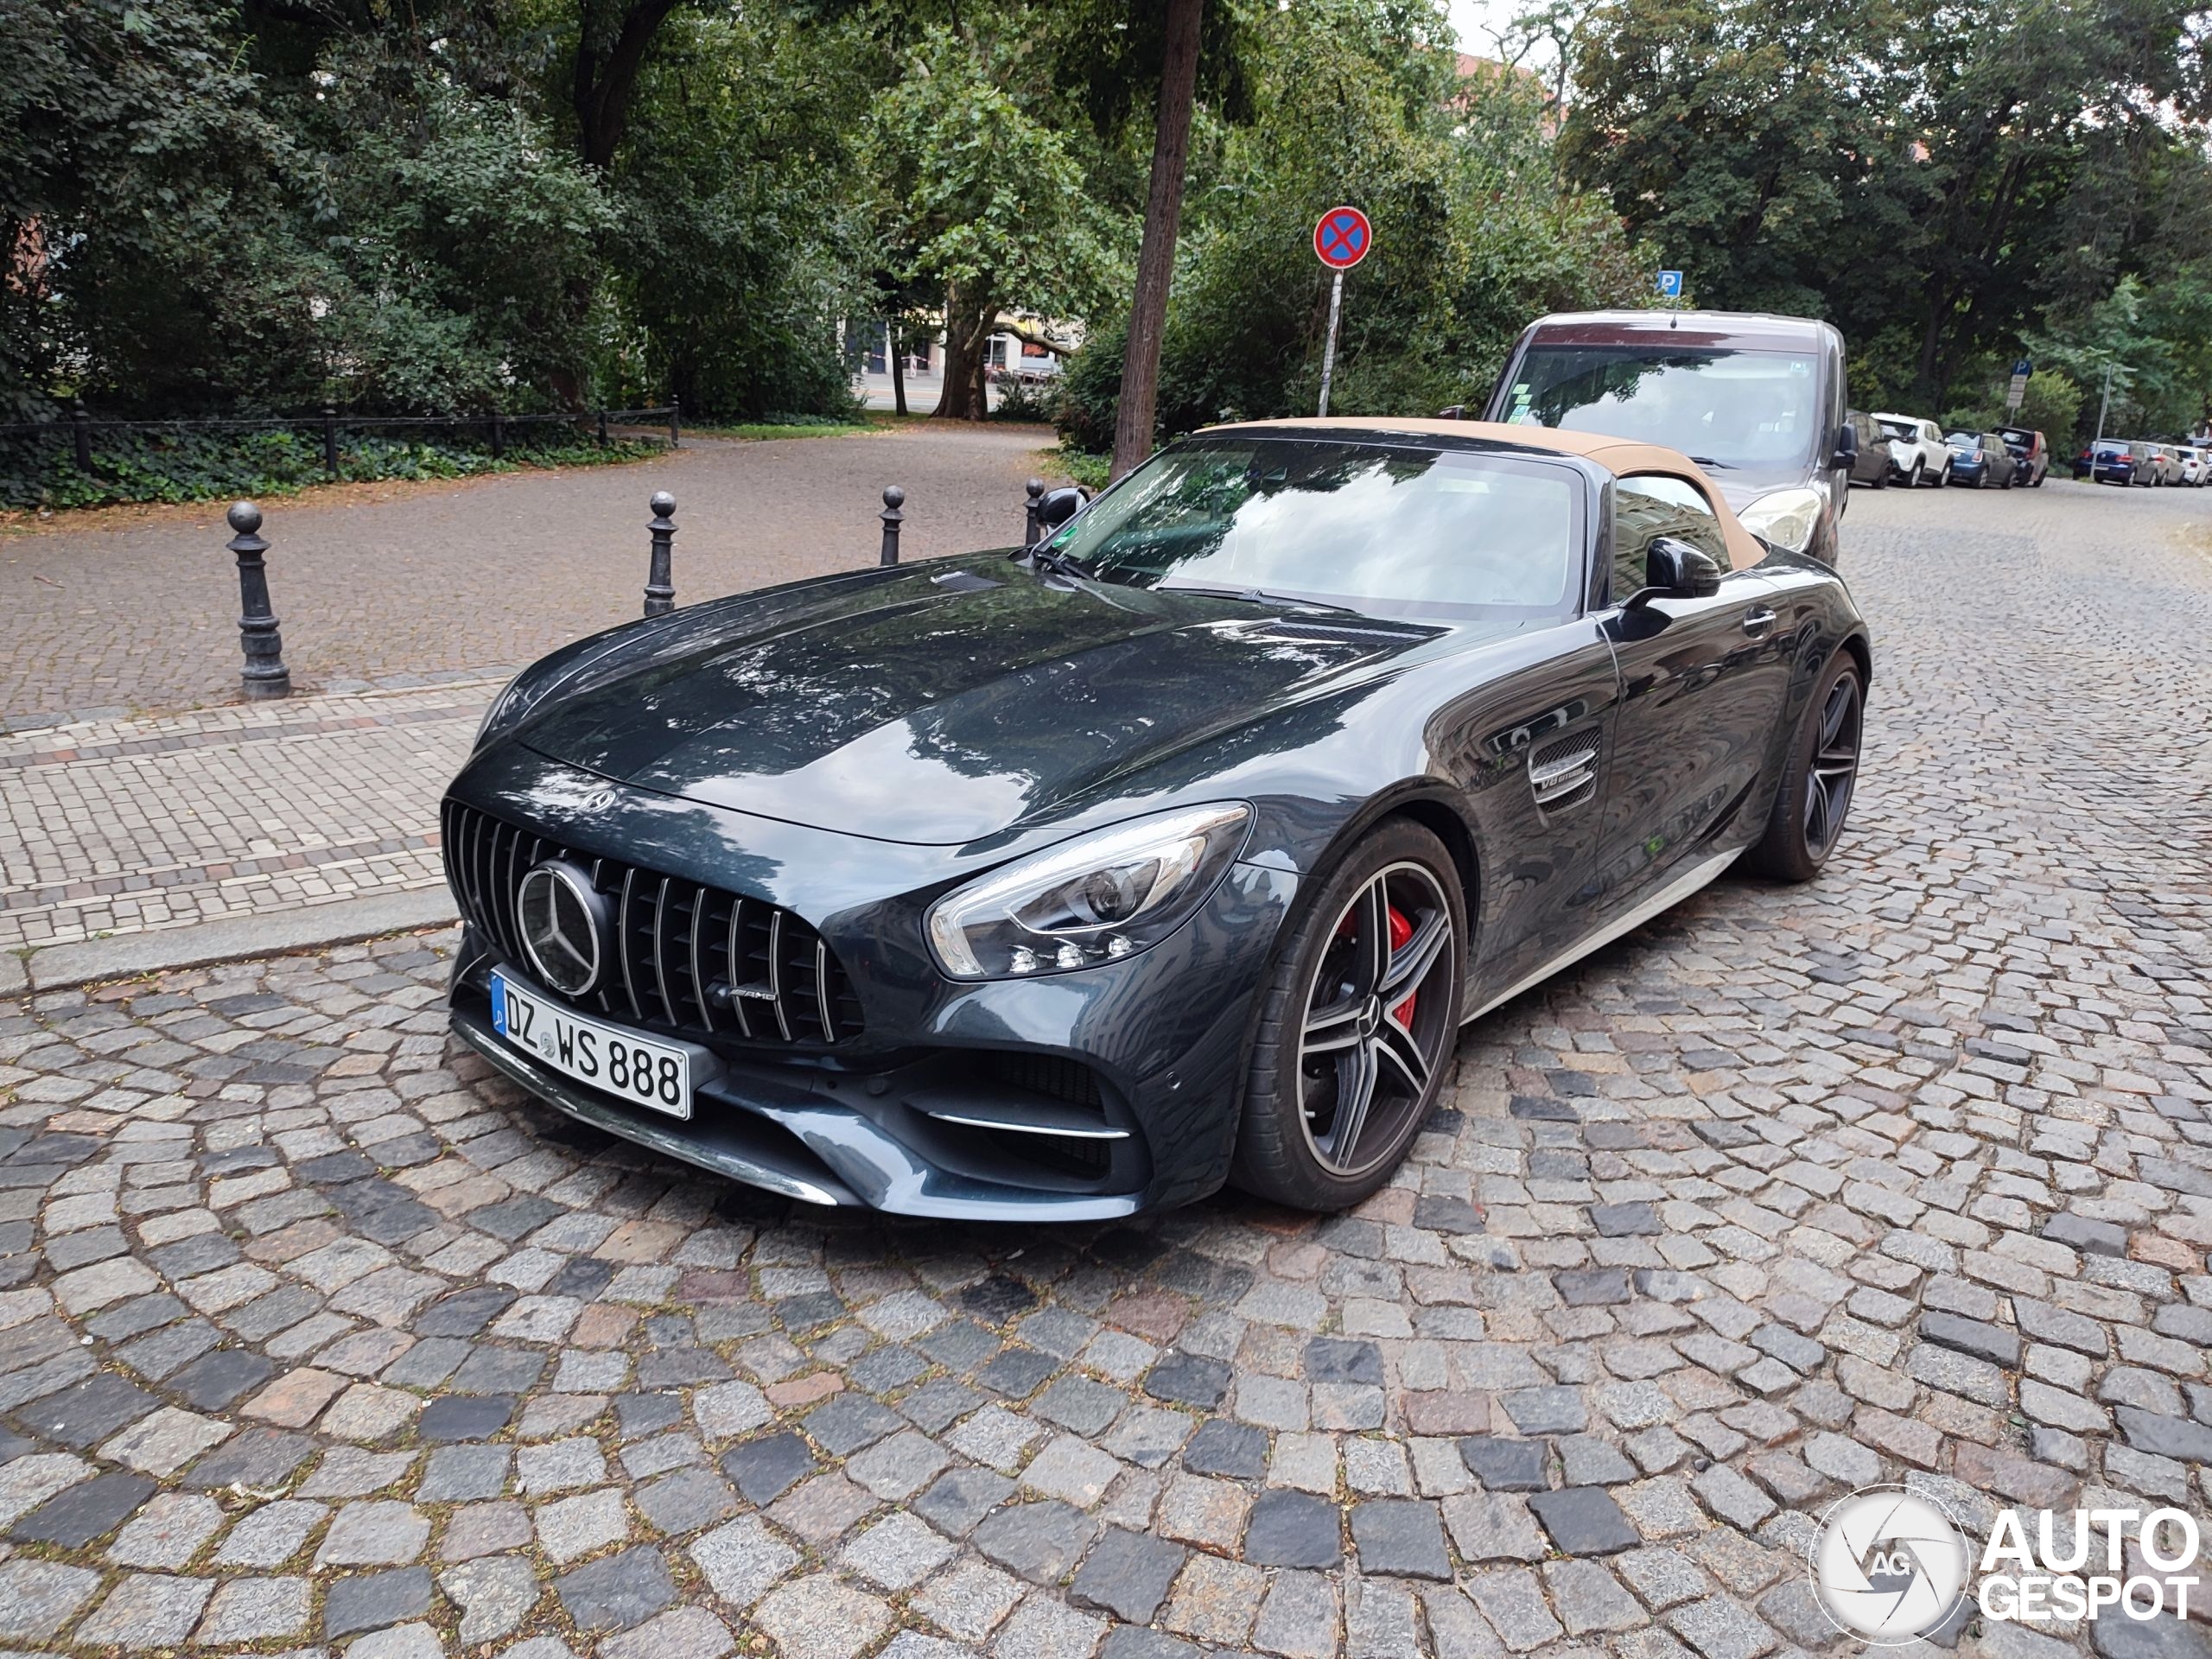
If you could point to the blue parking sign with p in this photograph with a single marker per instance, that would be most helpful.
(1670, 284)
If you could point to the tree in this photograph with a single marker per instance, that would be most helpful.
(1163, 211)
(980, 195)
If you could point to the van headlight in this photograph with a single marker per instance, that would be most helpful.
(1098, 898)
(1785, 519)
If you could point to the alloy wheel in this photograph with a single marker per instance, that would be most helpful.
(1834, 768)
(1377, 1019)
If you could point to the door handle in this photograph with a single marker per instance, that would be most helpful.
(1757, 622)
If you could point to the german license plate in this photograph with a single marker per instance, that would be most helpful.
(657, 1075)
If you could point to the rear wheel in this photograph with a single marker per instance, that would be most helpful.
(1356, 1025)
(1810, 808)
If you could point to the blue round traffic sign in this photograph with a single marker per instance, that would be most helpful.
(1341, 238)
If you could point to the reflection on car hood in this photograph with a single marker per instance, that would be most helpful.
(942, 703)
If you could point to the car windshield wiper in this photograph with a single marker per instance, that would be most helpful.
(1047, 557)
(1262, 596)
(1718, 466)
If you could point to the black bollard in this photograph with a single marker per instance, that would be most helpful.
(265, 675)
(660, 580)
(1031, 529)
(893, 499)
(330, 440)
(675, 422)
(80, 427)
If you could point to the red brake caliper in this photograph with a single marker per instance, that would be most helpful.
(1400, 931)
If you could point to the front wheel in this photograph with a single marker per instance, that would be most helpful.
(1356, 1026)
(1816, 795)
(1914, 482)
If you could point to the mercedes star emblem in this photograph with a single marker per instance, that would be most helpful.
(562, 925)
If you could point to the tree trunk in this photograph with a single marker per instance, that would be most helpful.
(968, 319)
(1163, 211)
(891, 339)
(608, 58)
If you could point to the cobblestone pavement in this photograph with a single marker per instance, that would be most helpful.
(121, 826)
(486, 572)
(316, 1338)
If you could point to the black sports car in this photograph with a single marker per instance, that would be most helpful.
(1068, 881)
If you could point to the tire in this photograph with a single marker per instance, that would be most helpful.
(1914, 482)
(1398, 877)
(1882, 479)
(1806, 823)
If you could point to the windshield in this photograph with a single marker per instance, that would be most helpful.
(1964, 440)
(1900, 430)
(1725, 409)
(1408, 532)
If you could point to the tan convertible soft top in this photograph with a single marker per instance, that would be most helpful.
(1619, 457)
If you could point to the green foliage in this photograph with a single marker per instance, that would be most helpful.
(1937, 185)
(192, 465)
(1473, 235)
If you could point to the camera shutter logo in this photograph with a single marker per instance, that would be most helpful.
(1889, 1566)
(563, 928)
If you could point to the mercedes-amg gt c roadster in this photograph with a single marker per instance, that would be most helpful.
(1067, 881)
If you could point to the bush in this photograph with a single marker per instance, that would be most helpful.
(40, 469)
(1024, 401)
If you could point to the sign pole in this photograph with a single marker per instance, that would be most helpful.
(1329, 351)
(1340, 241)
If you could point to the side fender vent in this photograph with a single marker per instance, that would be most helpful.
(1563, 774)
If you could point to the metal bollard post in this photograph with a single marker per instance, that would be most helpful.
(498, 435)
(675, 422)
(602, 429)
(81, 424)
(265, 675)
(660, 580)
(330, 440)
(1031, 529)
(893, 499)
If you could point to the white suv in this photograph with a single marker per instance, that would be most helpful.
(1917, 450)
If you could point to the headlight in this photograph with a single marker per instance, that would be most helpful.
(1786, 517)
(1098, 898)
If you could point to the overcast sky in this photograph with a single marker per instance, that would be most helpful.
(1472, 18)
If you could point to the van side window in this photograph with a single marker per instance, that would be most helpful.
(1647, 505)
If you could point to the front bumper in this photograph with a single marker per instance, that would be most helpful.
(951, 1102)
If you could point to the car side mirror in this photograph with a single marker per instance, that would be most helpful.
(1056, 507)
(1673, 568)
(1846, 447)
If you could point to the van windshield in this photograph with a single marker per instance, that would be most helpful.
(1724, 408)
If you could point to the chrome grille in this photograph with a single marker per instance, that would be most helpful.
(689, 959)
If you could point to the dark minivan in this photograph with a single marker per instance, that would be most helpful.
(1757, 401)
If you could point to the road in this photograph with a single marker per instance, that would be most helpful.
(1904, 1176)
(385, 583)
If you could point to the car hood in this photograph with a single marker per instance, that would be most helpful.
(941, 703)
(1741, 486)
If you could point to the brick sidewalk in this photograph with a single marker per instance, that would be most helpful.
(120, 826)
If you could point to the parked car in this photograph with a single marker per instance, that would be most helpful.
(1872, 461)
(1981, 460)
(2165, 465)
(822, 888)
(2111, 460)
(2148, 471)
(1759, 400)
(2195, 464)
(1923, 456)
(2030, 451)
